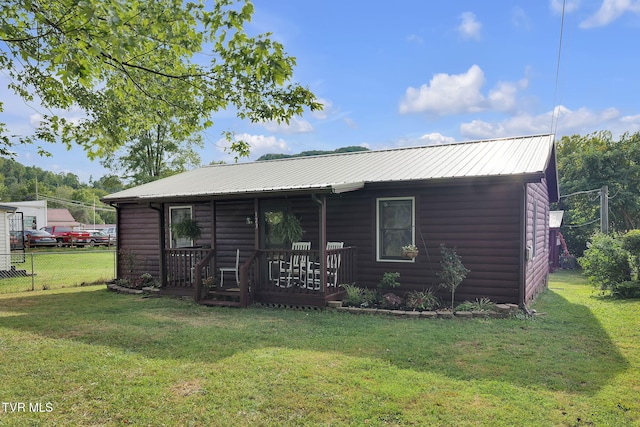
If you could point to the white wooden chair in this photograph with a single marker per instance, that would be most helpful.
(235, 270)
(292, 271)
(333, 265)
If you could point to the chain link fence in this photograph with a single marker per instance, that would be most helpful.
(32, 271)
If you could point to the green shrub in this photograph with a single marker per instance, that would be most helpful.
(369, 297)
(353, 298)
(630, 289)
(606, 263)
(453, 272)
(422, 300)
(631, 243)
(480, 304)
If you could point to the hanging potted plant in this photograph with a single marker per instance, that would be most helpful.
(410, 251)
(187, 228)
(288, 229)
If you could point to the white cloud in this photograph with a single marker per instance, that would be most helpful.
(519, 19)
(470, 27)
(460, 93)
(581, 121)
(326, 111)
(295, 126)
(260, 144)
(503, 96)
(569, 5)
(435, 138)
(446, 94)
(350, 122)
(609, 11)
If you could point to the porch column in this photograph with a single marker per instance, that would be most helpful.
(323, 241)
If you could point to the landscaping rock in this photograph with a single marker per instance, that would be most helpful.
(464, 314)
(334, 304)
(429, 314)
(502, 308)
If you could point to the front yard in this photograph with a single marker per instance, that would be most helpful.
(86, 356)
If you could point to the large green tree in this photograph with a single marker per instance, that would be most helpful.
(586, 164)
(130, 65)
(154, 154)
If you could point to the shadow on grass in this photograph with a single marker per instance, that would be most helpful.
(568, 350)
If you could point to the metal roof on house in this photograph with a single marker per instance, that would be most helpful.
(528, 155)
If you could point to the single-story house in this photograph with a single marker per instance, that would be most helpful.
(489, 199)
(60, 217)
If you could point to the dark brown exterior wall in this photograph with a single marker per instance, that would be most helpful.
(138, 241)
(482, 221)
(537, 267)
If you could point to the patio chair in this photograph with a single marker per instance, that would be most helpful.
(235, 270)
(293, 270)
(333, 265)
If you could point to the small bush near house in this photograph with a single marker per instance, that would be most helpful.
(480, 304)
(453, 272)
(629, 289)
(422, 300)
(631, 243)
(606, 262)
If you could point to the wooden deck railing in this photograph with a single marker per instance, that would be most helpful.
(287, 271)
(266, 271)
(181, 265)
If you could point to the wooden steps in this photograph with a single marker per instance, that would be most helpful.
(229, 297)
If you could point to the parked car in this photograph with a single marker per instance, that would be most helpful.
(66, 236)
(34, 238)
(112, 232)
(97, 237)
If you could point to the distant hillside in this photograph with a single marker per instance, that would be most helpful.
(349, 149)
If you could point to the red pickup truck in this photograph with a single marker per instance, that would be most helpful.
(66, 236)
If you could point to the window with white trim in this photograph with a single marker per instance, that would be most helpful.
(395, 220)
(177, 214)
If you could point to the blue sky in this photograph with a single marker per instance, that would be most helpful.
(415, 72)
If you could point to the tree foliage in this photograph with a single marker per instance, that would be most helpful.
(154, 154)
(452, 271)
(130, 65)
(586, 163)
(62, 190)
(349, 149)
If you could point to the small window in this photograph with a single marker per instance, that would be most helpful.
(395, 227)
(177, 214)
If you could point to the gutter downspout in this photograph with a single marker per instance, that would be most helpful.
(323, 238)
(161, 223)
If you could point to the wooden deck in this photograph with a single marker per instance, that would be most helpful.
(286, 277)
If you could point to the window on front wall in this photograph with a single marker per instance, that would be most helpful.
(395, 227)
(177, 214)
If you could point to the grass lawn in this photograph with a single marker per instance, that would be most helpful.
(86, 356)
(57, 268)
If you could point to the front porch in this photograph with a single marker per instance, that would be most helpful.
(288, 277)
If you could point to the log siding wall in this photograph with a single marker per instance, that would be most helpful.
(482, 220)
(537, 267)
(138, 241)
